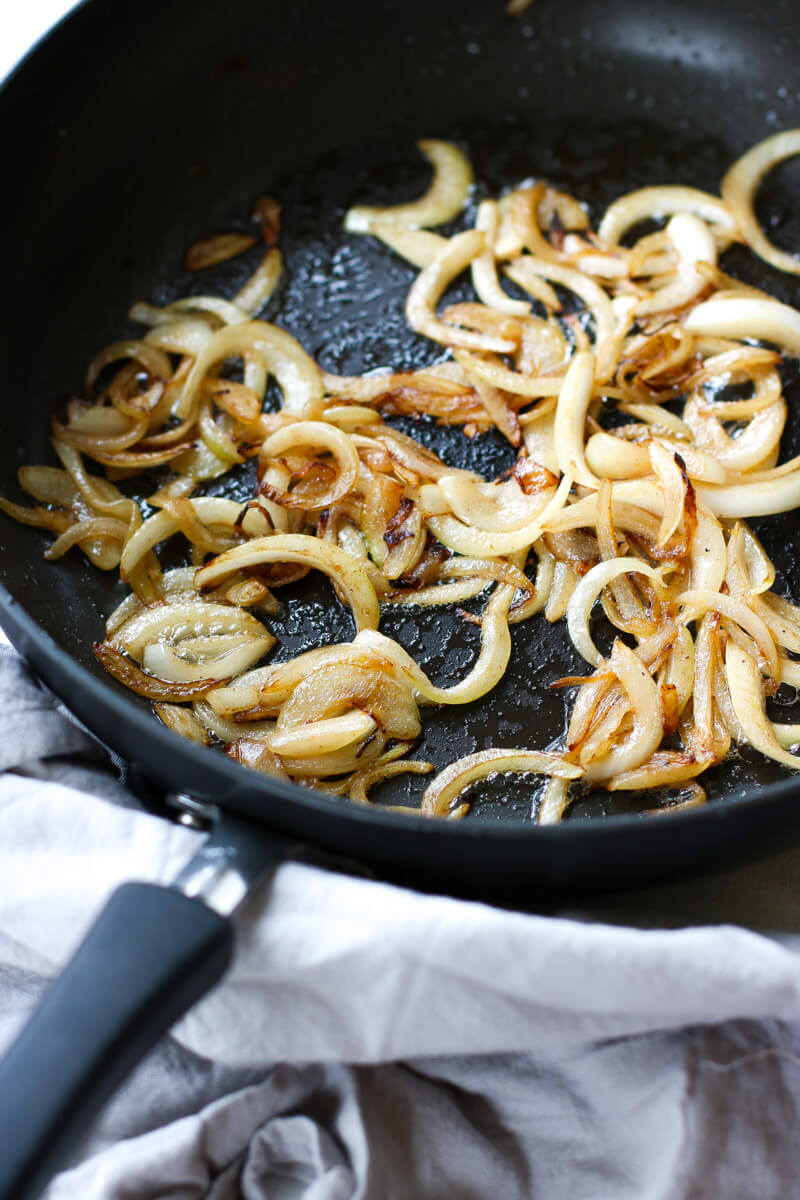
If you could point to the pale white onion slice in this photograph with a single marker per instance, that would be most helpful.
(484, 270)
(708, 553)
(694, 243)
(345, 570)
(497, 507)
(444, 199)
(653, 203)
(166, 663)
(758, 498)
(431, 283)
(697, 603)
(570, 419)
(537, 435)
(732, 316)
(487, 671)
(251, 298)
(322, 737)
(673, 486)
(451, 782)
(645, 736)
(322, 436)
(417, 246)
(555, 802)
(186, 336)
(181, 619)
(477, 543)
(609, 457)
(739, 187)
(527, 268)
(208, 509)
(588, 590)
(298, 376)
(760, 437)
(747, 697)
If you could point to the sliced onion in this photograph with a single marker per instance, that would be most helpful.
(208, 509)
(758, 439)
(674, 485)
(696, 603)
(497, 507)
(364, 780)
(747, 696)
(745, 317)
(300, 548)
(647, 731)
(586, 593)
(444, 199)
(417, 246)
(653, 203)
(487, 671)
(335, 689)
(476, 543)
(570, 419)
(133, 677)
(666, 768)
(321, 436)
(297, 374)
(430, 285)
(694, 243)
(182, 721)
(166, 663)
(740, 185)
(322, 737)
(261, 285)
(451, 782)
(484, 271)
(523, 269)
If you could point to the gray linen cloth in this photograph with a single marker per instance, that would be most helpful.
(371, 1042)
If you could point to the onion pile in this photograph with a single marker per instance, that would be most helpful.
(644, 515)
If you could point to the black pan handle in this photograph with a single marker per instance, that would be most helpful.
(149, 956)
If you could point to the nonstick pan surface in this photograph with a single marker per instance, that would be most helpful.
(127, 137)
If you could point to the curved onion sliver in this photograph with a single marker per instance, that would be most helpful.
(747, 697)
(647, 731)
(297, 374)
(166, 663)
(739, 187)
(444, 199)
(694, 243)
(321, 737)
(496, 507)
(484, 270)
(747, 317)
(570, 419)
(487, 671)
(334, 689)
(451, 782)
(478, 543)
(586, 593)
(523, 270)
(651, 203)
(322, 436)
(696, 603)
(300, 548)
(430, 285)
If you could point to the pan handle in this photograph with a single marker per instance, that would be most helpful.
(149, 956)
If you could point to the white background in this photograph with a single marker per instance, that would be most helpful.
(22, 22)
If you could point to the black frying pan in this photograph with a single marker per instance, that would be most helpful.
(129, 133)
